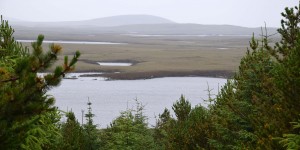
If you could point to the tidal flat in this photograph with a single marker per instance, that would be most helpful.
(155, 56)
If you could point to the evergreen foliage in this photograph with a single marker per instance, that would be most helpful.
(263, 98)
(189, 130)
(44, 134)
(161, 130)
(292, 141)
(92, 141)
(254, 108)
(72, 134)
(128, 131)
(25, 107)
(76, 136)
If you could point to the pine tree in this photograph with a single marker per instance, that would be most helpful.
(72, 134)
(259, 103)
(189, 130)
(90, 130)
(128, 131)
(23, 100)
(161, 130)
(292, 141)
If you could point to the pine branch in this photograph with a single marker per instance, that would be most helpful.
(11, 79)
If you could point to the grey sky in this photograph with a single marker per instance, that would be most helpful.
(249, 13)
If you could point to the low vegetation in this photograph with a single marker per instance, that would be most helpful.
(257, 109)
(154, 56)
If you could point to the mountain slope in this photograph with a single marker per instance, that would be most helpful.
(101, 22)
(127, 20)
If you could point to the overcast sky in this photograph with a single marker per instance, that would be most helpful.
(249, 13)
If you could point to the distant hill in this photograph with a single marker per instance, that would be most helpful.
(101, 22)
(132, 24)
(126, 20)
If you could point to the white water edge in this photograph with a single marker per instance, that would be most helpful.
(114, 64)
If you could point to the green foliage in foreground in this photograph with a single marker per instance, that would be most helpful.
(292, 141)
(128, 131)
(189, 130)
(27, 117)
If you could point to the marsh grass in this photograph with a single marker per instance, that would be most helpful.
(162, 56)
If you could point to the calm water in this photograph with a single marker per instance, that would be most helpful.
(111, 97)
(70, 42)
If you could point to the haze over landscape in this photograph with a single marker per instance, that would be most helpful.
(146, 28)
(231, 12)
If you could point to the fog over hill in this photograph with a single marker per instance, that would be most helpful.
(133, 24)
(126, 20)
(101, 22)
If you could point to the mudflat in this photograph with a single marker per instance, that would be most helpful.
(157, 56)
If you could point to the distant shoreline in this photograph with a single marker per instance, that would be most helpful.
(158, 74)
